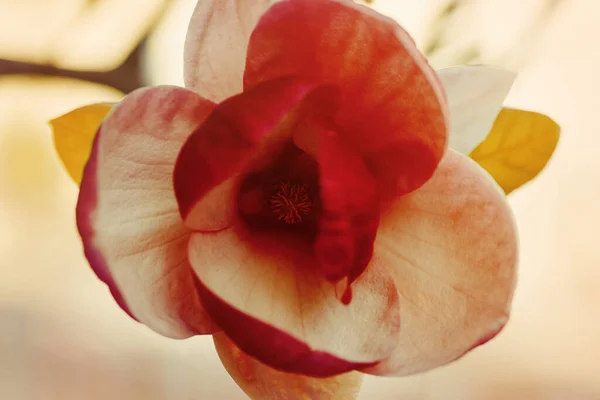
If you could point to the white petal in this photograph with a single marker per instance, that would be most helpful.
(475, 97)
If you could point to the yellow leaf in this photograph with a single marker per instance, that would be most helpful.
(518, 147)
(74, 133)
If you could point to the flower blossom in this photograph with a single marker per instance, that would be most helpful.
(307, 198)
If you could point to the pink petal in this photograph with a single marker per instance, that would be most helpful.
(452, 249)
(393, 108)
(276, 306)
(247, 129)
(127, 215)
(260, 382)
(216, 45)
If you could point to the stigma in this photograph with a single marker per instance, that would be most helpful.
(291, 203)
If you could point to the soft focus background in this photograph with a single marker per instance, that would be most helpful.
(62, 337)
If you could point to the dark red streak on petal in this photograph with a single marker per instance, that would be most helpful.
(86, 205)
(284, 352)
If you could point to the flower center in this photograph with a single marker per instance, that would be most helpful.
(291, 203)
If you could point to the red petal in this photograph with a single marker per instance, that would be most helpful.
(452, 249)
(259, 381)
(350, 211)
(276, 306)
(244, 130)
(127, 215)
(393, 108)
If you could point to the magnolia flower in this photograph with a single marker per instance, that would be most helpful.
(299, 201)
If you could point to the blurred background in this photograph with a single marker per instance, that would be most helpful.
(62, 337)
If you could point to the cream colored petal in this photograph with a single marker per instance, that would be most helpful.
(261, 382)
(216, 45)
(452, 249)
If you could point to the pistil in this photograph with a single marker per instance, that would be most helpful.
(291, 203)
